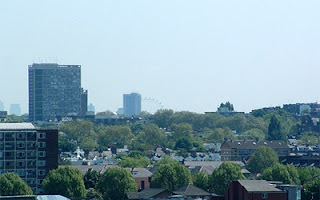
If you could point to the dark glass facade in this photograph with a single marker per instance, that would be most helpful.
(54, 91)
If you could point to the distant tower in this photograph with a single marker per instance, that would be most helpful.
(1, 106)
(91, 108)
(132, 104)
(15, 109)
(55, 91)
(84, 102)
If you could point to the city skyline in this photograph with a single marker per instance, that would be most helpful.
(194, 57)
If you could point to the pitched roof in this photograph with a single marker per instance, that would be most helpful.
(145, 194)
(153, 168)
(140, 172)
(16, 126)
(191, 190)
(253, 144)
(258, 186)
(51, 197)
(213, 164)
(205, 169)
(85, 168)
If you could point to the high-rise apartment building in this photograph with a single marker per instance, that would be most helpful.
(132, 104)
(55, 91)
(28, 152)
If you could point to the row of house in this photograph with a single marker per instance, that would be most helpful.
(298, 155)
(238, 190)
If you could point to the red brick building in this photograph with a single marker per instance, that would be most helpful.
(142, 176)
(254, 189)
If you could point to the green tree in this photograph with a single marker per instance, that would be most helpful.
(13, 119)
(91, 178)
(201, 180)
(313, 189)
(258, 113)
(136, 128)
(88, 143)
(92, 194)
(222, 176)
(218, 135)
(255, 133)
(77, 129)
(184, 143)
(163, 118)
(134, 162)
(274, 129)
(284, 173)
(307, 174)
(11, 184)
(181, 130)
(115, 135)
(171, 176)
(65, 181)
(165, 159)
(309, 138)
(65, 144)
(107, 113)
(137, 154)
(115, 183)
(227, 105)
(152, 137)
(263, 158)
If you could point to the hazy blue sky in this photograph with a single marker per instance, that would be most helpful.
(190, 55)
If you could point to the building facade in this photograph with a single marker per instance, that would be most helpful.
(254, 189)
(241, 150)
(28, 152)
(132, 104)
(55, 91)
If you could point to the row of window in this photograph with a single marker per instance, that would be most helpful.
(22, 135)
(22, 173)
(22, 163)
(21, 145)
(22, 154)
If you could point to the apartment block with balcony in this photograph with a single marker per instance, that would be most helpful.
(29, 152)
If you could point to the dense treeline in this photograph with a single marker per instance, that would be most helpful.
(168, 127)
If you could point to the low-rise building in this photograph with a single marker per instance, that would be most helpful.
(192, 192)
(254, 189)
(241, 150)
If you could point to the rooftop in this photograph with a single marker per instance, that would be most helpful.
(258, 186)
(145, 194)
(253, 144)
(191, 190)
(17, 126)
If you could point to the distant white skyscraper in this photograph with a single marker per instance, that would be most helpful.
(132, 104)
(15, 109)
(91, 108)
(1, 106)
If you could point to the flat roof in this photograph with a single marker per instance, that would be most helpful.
(258, 186)
(17, 126)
